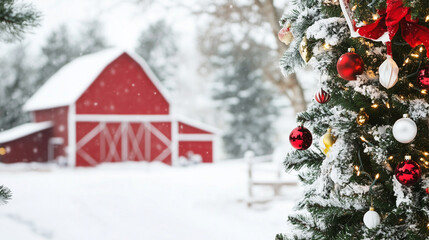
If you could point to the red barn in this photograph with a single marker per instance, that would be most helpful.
(106, 107)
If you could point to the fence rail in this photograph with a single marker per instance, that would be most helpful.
(276, 183)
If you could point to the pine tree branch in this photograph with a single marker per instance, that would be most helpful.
(5, 195)
(16, 19)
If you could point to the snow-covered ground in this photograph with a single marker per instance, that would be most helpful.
(135, 201)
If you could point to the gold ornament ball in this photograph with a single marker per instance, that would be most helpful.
(326, 141)
(304, 50)
(362, 117)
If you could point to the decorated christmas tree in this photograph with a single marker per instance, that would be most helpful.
(15, 19)
(363, 143)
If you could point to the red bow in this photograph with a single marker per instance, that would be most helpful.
(395, 14)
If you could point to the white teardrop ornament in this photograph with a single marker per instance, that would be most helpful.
(388, 72)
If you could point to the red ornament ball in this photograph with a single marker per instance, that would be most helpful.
(423, 78)
(427, 190)
(408, 172)
(322, 96)
(300, 138)
(350, 65)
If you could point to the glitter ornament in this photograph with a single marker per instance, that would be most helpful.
(362, 117)
(300, 138)
(350, 65)
(408, 172)
(321, 96)
(304, 50)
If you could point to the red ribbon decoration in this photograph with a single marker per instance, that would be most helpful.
(394, 15)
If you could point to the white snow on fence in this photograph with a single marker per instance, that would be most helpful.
(23, 130)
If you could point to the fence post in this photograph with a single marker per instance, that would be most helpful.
(248, 156)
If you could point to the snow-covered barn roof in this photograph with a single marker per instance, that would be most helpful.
(70, 82)
(23, 130)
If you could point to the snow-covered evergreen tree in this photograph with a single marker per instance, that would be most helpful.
(368, 165)
(157, 45)
(21, 77)
(57, 51)
(245, 97)
(256, 19)
(17, 79)
(15, 19)
(91, 37)
(61, 47)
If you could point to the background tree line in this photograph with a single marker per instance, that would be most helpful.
(22, 74)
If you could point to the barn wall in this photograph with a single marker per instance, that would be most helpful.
(203, 148)
(31, 148)
(59, 117)
(122, 88)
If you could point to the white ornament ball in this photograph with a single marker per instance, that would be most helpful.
(404, 130)
(371, 219)
(388, 73)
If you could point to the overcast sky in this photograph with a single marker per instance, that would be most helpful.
(123, 20)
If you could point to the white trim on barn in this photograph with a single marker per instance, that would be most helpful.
(121, 118)
(113, 140)
(71, 148)
(136, 138)
(174, 143)
(196, 137)
(147, 119)
(147, 137)
(123, 132)
(51, 146)
(124, 141)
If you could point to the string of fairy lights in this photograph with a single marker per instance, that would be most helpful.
(350, 65)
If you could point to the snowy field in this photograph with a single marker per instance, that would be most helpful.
(135, 201)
